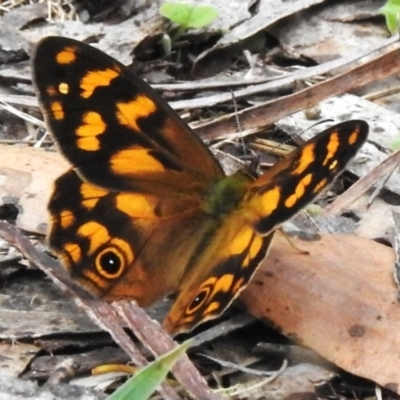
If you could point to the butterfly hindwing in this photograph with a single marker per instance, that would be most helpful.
(219, 275)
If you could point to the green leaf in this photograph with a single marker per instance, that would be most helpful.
(314, 210)
(189, 15)
(142, 385)
(391, 11)
(395, 145)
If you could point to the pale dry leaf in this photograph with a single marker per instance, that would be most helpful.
(339, 300)
(26, 179)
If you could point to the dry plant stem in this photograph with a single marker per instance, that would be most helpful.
(105, 317)
(379, 186)
(242, 367)
(215, 85)
(396, 246)
(223, 328)
(283, 83)
(382, 93)
(151, 334)
(103, 313)
(48, 265)
(269, 146)
(379, 67)
(362, 185)
(19, 100)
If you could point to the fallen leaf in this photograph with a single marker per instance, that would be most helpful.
(26, 180)
(339, 300)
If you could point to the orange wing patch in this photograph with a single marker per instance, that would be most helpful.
(91, 195)
(299, 191)
(66, 56)
(332, 148)
(87, 133)
(121, 162)
(71, 254)
(66, 218)
(307, 156)
(136, 205)
(94, 79)
(57, 110)
(130, 112)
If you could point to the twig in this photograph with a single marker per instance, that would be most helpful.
(101, 312)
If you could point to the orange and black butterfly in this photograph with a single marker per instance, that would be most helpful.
(146, 210)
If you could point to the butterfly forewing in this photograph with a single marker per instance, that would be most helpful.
(297, 179)
(112, 126)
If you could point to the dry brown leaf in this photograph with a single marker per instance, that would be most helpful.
(15, 357)
(339, 300)
(335, 30)
(26, 179)
(266, 15)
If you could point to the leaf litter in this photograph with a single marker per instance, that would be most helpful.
(301, 303)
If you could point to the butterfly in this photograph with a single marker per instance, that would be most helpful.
(146, 210)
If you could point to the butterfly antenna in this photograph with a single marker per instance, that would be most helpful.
(238, 124)
(306, 129)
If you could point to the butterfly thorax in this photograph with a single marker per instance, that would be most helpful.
(225, 195)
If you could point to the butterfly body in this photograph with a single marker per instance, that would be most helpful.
(146, 209)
